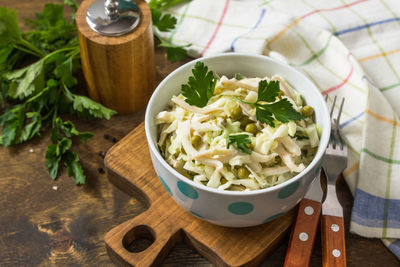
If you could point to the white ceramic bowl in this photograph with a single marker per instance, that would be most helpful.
(233, 208)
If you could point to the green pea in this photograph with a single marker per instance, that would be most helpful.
(307, 111)
(196, 140)
(251, 128)
(236, 113)
(244, 121)
(243, 172)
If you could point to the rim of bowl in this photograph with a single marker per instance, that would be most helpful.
(321, 147)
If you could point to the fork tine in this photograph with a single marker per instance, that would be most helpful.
(340, 110)
(334, 136)
(341, 141)
(337, 120)
(333, 105)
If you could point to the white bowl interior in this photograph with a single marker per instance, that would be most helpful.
(229, 64)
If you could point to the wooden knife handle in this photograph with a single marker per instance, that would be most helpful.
(303, 235)
(333, 242)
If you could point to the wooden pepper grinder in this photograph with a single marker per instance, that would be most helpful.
(117, 52)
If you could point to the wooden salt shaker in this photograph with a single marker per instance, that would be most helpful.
(117, 52)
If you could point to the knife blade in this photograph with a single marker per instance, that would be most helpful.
(303, 234)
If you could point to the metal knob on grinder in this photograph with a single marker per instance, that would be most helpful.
(117, 52)
(113, 17)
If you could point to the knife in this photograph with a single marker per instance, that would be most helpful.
(303, 234)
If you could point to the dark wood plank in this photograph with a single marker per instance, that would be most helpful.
(41, 226)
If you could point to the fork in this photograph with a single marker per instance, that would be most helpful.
(332, 224)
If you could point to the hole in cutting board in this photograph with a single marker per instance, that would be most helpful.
(138, 239)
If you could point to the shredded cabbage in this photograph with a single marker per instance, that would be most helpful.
(193, 140)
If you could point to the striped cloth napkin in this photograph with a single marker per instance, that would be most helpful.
(347, 48)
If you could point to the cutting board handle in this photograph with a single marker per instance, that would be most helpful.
(144, 226)
(129, 168)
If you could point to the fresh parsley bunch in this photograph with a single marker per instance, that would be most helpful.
(38, 94)
(165, 23)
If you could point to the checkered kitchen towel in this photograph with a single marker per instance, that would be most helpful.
(347, 48)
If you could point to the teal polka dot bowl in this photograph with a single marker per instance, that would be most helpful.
(232, 208)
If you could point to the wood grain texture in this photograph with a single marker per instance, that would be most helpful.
(299, 251)
(43, 227)
(119, 71)
(130, 168)
(333, 241)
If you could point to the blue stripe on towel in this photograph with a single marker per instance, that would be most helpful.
(395, 248)
(344, 124)
(368, 210)
(357, 28)
(252, 29)
(368, 80)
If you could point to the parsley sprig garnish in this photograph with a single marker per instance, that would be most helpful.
(267, 109)
(200, 86)
(240, 141)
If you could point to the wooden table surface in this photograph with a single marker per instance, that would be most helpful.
(66, 227)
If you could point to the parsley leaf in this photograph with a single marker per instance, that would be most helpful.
(10, 34)
(26, 81)
(11, 126)
(85, 107)
(268, 91)
(174, 52)
(54, 154)
(240, 141)
(61, 138)
(52, 160)
(267, 112)
(69, 130)
(163, 23)
(51, 15)
(200, 86)
(74, 167)
(284, 112)
(64, 72)
(9, 30)
(54, 31)
(263, 115)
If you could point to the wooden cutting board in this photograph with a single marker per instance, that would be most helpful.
(129, 167)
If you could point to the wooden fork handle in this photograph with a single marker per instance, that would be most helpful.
(303, 234)
(333, 242)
